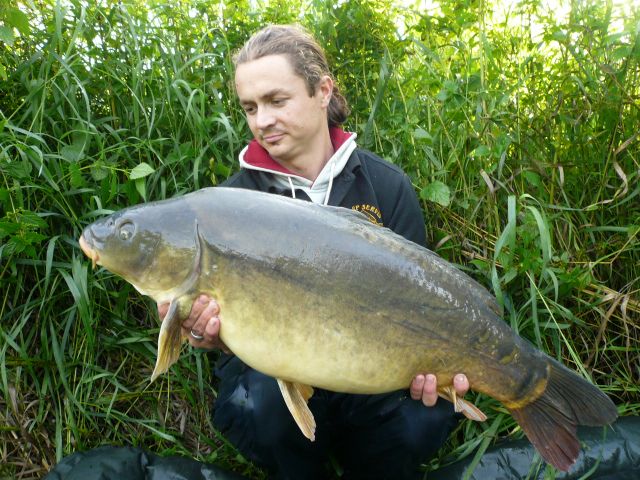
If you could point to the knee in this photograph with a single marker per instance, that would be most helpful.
(425, 429)
(253, 405)
(268, 411)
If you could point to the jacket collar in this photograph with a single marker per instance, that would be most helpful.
(264, 181)
(256, 158)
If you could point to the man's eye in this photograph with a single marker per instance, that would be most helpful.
(249, 110)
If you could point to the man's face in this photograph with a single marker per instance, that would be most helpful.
(282, 116)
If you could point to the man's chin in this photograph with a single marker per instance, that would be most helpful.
(275, 149)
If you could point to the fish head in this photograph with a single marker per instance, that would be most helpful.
(152, 246)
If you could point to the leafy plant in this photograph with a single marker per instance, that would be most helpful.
(517, 126)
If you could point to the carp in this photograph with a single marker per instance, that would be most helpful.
(318, 296)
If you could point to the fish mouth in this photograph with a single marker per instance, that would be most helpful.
(88, 251)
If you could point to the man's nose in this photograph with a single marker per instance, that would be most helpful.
(264, 118)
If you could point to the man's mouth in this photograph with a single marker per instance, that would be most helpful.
(272, 137)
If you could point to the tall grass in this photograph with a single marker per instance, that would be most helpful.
(522, 146)
(101, 110)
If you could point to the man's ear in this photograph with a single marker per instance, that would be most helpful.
(325, 89)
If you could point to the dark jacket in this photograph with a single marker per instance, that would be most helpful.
(368, 184)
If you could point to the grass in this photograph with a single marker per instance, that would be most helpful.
(524, 152)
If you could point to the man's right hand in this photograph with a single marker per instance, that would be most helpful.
(203, 320)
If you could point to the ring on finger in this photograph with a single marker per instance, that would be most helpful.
(196, 336)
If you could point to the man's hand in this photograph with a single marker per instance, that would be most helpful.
(203, 321)
(425, 387)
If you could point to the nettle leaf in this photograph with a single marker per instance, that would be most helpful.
(442, 95)
(18, 19)
(72, 153)
(8, 228)
(532, 178)
(622, 52)
(6, 35)
(33, 237)
(437, 192)
(17, 169)
(421, 134)
(141, 187)
(31, 219)
(8, 249)
(99, 171)
(22, 244)
(481, 151)
(76, 180)
(141, 171)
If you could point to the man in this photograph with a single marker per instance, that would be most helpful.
(294, 111)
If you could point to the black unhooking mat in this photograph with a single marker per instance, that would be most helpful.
(612, 453)
(129, 463)
(609, 453)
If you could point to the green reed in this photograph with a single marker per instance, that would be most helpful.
(523, 149)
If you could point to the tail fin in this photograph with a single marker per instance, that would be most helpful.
(550, 421)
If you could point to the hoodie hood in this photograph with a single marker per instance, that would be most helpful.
(254, 157)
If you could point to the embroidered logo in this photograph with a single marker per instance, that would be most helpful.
(372, 212)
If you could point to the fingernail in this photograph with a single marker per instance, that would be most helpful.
(430, 378)
(459, 378)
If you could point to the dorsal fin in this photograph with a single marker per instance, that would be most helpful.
(349, 213)
(383, 235)
(296, 396)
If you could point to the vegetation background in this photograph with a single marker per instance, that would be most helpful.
(517, 121)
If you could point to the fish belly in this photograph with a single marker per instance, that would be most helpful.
(350, 336)
(321, 296)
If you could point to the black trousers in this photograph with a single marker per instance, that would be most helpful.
(384, 436)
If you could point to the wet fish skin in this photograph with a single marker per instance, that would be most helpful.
(319, 296)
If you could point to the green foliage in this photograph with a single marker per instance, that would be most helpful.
(11, 19)
(518, 129)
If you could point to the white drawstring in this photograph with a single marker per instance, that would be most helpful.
(309, 189)
(326, 197)
(293, 189)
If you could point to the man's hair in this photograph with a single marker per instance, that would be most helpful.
(306, 56)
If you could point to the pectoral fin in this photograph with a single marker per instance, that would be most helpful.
(169, 340)
(296, 396)
(468, 409)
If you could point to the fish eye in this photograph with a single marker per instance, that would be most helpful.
(126, 230)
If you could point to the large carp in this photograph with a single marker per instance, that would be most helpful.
(319, 296)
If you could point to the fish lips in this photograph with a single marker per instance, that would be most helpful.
(87, 245)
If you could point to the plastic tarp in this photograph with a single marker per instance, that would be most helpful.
(608, 453)
(129, 463)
